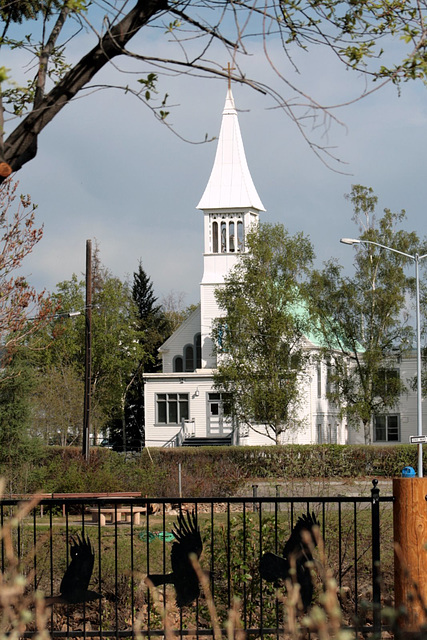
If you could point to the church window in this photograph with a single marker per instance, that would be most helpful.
(172, 408)
(240, 239)
(319, 380)
(231, 235)
(178, 364)
(189, 357)
(198, 342)
(387, 428)
(223, 236)
(215, 237)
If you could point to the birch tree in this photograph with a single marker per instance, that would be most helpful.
(364, 317)
(260, 336)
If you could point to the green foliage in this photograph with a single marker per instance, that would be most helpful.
(21, 10)
(236, 553)
(60, 365)
(259, 339)
(360, 318)
(18, 451)
(206, 471)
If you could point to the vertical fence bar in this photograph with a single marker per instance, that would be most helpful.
(228, 557)
(257, 607)
(35, 546)
(261, 611)
(212, 559)
(245, 589)
(2, 540)
(132, 567)
(355, 557)
(276, 545)
(376, 568)
(339, 545)
(116, 575)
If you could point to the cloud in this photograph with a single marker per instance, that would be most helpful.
(106, 169)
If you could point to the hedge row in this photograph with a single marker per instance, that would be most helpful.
(296, 461)
(205, 471)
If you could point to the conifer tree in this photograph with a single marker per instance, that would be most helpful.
(153, 329)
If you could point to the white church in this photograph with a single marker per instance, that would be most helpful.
(181, 406)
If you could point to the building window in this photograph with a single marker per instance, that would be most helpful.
(240, 237)
(231, 236)
(223, 236)
(172, 408)
(387, 382)
(189, 357)
(178, 364)
(319, 380)
(198, 344)
(387, 428)
(215, 237)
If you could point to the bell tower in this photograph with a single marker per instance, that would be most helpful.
(231, 207)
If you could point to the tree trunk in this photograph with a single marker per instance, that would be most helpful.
(367, 432)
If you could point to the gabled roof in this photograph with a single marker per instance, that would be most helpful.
(230, 184)
(193, 317)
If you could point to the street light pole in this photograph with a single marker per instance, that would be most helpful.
(88, 354)
(416, 259)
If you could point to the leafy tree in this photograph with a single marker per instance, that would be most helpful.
(18, 299)
(260, 341)
(174, 309)
(17, 448)
(116, 352)
(362, 318)
(191, 35)
(57, 405)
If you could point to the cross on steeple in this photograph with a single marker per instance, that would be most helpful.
(229, 69)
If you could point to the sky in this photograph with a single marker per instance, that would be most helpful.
(106, 170)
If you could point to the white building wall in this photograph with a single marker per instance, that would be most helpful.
(184, 335)
(196, 385)
(210, 312)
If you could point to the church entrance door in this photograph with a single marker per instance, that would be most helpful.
(218, 424)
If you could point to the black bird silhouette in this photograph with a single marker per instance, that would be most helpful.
(74, 584)
(296, 553)
(188, 541)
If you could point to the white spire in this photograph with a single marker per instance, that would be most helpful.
(230, 184)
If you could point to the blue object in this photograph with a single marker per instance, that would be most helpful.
(408, 472)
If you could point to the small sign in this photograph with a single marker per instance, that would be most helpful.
(418, 439)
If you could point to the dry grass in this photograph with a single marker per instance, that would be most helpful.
(22, 606)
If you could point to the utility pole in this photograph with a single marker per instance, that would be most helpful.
(88, 351)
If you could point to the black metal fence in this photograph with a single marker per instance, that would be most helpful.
(132, 537)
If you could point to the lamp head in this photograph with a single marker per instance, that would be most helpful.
(350, 241)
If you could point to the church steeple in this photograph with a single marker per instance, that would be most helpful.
(231, 207)
(230, 185)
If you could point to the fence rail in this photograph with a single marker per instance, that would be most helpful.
(136, 539)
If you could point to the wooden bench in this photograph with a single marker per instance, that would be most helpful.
(100, 514)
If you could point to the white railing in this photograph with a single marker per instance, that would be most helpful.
(188, 430)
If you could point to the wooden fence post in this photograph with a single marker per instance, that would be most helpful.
(410, 539)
